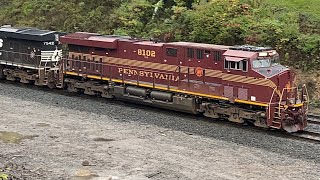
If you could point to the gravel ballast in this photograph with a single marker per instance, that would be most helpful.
(75, 137)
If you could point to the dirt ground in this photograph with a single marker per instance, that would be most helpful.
(41, 141)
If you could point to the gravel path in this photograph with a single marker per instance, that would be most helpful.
(71, 137)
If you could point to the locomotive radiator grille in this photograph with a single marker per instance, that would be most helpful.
(243, 94)
(228, 91)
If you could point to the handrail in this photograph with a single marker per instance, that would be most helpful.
(269, 105)
(304, 86)
(282, 93)
(74, 67)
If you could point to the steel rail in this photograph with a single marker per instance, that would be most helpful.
(314, 115)
(308, 136)
(313, 119)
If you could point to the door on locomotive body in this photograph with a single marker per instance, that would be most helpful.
(173, 55)
(235, 70)
(33, 50)
(197, 59)
(13, 50)
(213, 72)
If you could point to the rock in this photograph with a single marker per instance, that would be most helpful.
(53, 137)
(85, 163)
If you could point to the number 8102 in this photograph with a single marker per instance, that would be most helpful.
(146, 53)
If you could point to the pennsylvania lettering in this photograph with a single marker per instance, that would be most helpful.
(148, 74)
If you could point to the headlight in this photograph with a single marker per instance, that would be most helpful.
(291, 101)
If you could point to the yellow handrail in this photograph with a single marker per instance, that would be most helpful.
(269, 105)
(304, 86)
(281, 96)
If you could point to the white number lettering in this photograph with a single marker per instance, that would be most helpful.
(1, 43)
(48, 43)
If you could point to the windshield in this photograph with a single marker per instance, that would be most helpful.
(266, 62)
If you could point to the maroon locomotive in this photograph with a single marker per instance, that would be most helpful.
(240, 83)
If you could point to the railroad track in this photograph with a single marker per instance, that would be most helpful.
(310, 135)
(307, 135)
(314, 119)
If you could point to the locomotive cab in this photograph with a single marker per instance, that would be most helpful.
(290, 103)
(286, 104)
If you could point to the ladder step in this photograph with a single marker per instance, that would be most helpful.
(275, 127)
(276, 122)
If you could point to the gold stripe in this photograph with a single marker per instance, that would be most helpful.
(250, 102)
(209, 73)
(137, 63)
(250, 81)
(261, 81)
(272, 84)
(247, 80)
(174, 90)
(184, 69)
(223, 76)
(237, 78)
(217, 75)
(263, 84)
(297, 105)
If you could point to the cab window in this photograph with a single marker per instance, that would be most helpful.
(236, 65)
(172, 52)
(199, 54)
(190, 53)
(216, 55)
(244, 65)
(261, 63)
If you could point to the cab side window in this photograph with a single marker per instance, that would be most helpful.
(172, 52)
(244, 66)
(190, 53)
(241, 65)
(200, 54)
(216, 55)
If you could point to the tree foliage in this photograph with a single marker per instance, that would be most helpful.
(292, 27)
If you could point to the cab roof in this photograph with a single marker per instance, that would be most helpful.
(31, 34)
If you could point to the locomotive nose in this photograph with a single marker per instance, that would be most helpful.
(293, 101)
(273, 71)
